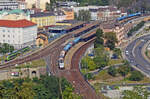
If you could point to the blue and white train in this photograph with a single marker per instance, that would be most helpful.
(124, 18)
(65, 50)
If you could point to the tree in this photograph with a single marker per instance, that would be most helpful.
(137, 93)
(124, 70)
(99, 39)
(33, 6)
(117, 51)
(84, 15)
(111, 39)
(110, 44)
(88, 63)
(48, 6)
(136, 76)
(101, 58)
(112, 71)
(5, 48)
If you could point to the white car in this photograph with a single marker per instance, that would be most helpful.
(127, 52)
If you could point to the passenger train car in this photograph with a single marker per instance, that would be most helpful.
(16, 53)
(65, 50)
(128, 17)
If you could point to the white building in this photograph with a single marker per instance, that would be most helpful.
(12, 4)
(8, 4)
(18, 33)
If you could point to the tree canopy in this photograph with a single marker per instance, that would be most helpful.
(47, 87)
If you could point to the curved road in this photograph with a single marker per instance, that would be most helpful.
(133, 53)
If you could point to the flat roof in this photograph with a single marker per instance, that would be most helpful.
(89, 34)
(84, 28)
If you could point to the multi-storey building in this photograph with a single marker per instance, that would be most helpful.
(9, 4)
(12, 4)
(41, 4)
(19, 33)
(43, 19)
(119, 29)
(69, 13)
(15, 14)
(102, 13)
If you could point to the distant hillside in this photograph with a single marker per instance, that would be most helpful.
(132, 5)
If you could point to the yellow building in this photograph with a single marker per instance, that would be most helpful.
(42, 39)
(43, 19)
(41, 4)
(69, 13)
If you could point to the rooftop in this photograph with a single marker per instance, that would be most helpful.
(16, 24)
(42, 14)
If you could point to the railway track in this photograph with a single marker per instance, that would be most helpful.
(74, 75)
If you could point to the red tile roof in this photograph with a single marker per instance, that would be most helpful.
(16, 24)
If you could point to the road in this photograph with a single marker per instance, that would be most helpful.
(133, 53)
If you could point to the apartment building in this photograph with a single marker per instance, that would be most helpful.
(18, 33)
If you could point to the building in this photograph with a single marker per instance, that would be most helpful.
(66, 4)
(12, 4)
(119, 29)
(109, 13)
(102, 13)
(43, 19)
(40, 4)
(69, 13)
(42, 39)
(9, 4)
(15, 14)
(59, 15)
(18, 33)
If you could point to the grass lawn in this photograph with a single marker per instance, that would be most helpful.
(114, 61)
(108, 79)
(33, 64)
(84, 71)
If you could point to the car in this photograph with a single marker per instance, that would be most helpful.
(142, 40)
(127, 52)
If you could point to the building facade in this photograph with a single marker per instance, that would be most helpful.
(41, 4)
(18, 33)
(12, 4)
(69, 13)
(43, 19)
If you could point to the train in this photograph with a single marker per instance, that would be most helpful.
(65, 50)
(78, 37)
(130, 16)
(71, 44)
(16, 53)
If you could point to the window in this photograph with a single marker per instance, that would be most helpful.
(8, 35)
(3, 30)
(3, 35)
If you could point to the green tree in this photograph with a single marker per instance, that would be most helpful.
(101, 58)
(111, 39)
(117, 51)
(48, 6)
(88, 63)
(137, 93)
(136, 76)
(124, 70)
(112, 71)
(84, 15)
(99, 39)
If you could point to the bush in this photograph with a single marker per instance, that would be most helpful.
(136, 76)
(112, 71)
